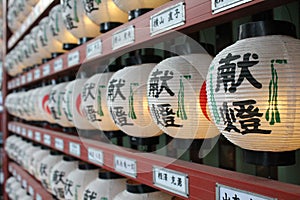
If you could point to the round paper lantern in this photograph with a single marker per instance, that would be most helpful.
(77, 22)
(58, 29)
(136, 8)
(46, 43)
(137, 191)
(27, 155)
(45, 167)
(106, 186)
(14, 187)
(36, 56)
(94, 105)
(20, 193)
(105, 13)
(43, 103)
(72, 105)
(55, 105)
(127, 101)
(21, 151)
(78, 179)
(252, 92)
(59, 173)
(173, 90)
(35, 158)
(8, 183)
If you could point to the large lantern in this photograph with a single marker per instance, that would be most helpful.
(59, 173)
(177, 97)
(56, 100)
(77, 22)
(105, 13)
(59, 30)
(252, 89)
(94, 105)
(106, 186)
(72, 105)
(78, 179)
(127, 101)
(136, 8)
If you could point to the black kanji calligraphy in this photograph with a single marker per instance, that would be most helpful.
(167, 115)
(154, 89)
(87, 91)
(114, 89)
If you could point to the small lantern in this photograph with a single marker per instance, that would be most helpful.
(136, 8)
(94, 105)
(127, 101)
(78, 179)
(58, 29)
(105, 13)
(27, 155)
(45, 167)
(55, 105)
(59, 173)
(35, 158)
(252, 92)
(43, 104)
(175, 88)
(47, 43)
(77, 22)
(106, 186)
(72, 105)
(138, 191)
(36, 56)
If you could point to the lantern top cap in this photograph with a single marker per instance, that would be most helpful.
(69, 158)
(86, 166)
(264, 28)
(138, 188)
(104, 174)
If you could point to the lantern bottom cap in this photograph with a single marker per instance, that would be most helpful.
(138, 12)
(69, 129)
(56, 54)
(144, 140)
(114, 134)
(84, 40)
(266, 158)
(69, 46)
(45, 60)
(107, 26)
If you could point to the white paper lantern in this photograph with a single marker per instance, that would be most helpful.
(28, 154)
(57, 27)
(35, 158)
(175, 88)
(45, 167)
(76, 21)
(136, 191)
(34, 111)
(127, 101)
(106, 186)
(78, 179)
(20, 193)
(252, 88)
(94, 105)
(59, 173)
(42, 40)
(105, 13)
(36, 56)
(43, 103)
(14, 187)
(72, 105)
(55, 104)
(138, 5)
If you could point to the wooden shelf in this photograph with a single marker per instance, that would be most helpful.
(202, 179)
(32, 186)
(198, 16)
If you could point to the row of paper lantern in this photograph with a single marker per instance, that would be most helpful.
(251, 87)
(15, 190)
(67, 178)
(67, 24)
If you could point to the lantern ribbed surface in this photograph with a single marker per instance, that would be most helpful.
(55, 104)
(58, 176)
(76, 21)
(127, 101)
(43, 103)
(177, 97)
(94, 104)
(252, 89)
(104, 11)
